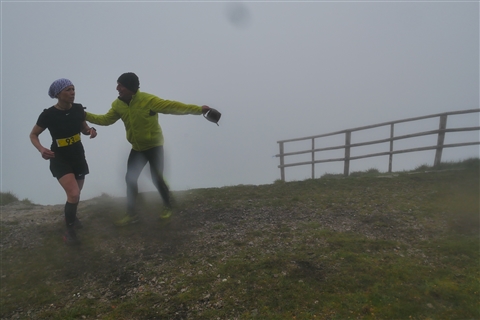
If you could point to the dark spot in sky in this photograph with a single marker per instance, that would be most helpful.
(238, 14)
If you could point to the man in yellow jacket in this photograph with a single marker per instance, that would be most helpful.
(139, 113)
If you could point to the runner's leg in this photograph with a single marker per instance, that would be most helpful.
(80, 183)
(156, 159)
(80, 186)
(135, 164)
(71, 187)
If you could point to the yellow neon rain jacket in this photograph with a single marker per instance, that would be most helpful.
(140, 118)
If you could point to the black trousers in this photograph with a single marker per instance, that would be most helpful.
(136, 162)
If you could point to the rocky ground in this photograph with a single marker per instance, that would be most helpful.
(202, 232)
(18, 217)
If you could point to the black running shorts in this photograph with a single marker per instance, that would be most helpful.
(60, 167)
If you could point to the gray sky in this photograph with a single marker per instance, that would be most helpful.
(276, 70)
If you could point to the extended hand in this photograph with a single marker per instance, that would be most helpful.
(92, 132)
(47, 154)
(205, 109)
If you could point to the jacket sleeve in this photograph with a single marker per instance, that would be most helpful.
(103, 120)
(173, 107)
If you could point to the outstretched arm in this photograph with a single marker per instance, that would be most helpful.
(103, 120)
(46, 153)
(174, 107)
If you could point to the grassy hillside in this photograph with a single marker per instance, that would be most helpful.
(370, 246)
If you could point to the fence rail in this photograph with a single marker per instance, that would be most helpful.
(441, 132)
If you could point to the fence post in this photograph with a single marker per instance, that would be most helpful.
(390, 158)
(313, 158)
(440, 140)
(346, 166)
(282, 162)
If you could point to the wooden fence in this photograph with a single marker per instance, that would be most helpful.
(440, 145)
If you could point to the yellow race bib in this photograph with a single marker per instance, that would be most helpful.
(65, 142)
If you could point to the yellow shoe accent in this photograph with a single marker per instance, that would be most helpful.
(126, 220)
(167, 213)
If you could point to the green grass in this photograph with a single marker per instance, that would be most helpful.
(9, 197)
(362, 247)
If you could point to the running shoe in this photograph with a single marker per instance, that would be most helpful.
(70, 237)
(166, 213)
(127, 220)
(78, 224)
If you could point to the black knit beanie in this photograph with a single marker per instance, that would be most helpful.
(130, 81)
